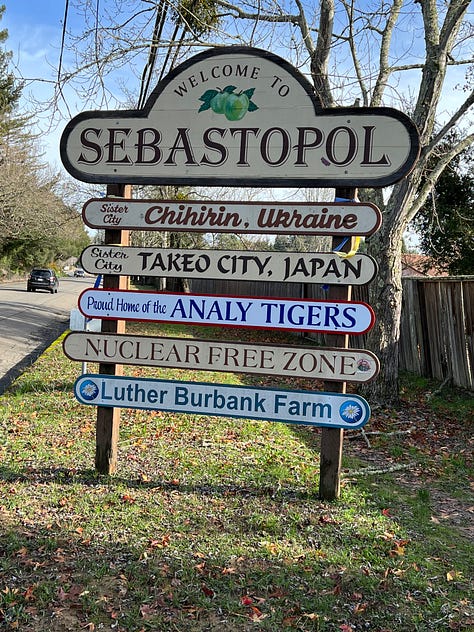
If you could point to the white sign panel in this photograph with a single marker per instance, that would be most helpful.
(240, 116)
(295, 407)
(305, 218)
(292, 267)
(254, 312)
(330, 364)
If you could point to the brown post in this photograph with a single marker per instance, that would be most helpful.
(332, 438)
(108, 419)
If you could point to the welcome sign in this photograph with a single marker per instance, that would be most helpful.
(297, 407)
(240, 116)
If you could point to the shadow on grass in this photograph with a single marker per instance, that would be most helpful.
(90, 478)
(41, 386)
(60, 581)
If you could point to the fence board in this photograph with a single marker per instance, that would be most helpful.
(468, 297)
(410, 351)
(443, 309)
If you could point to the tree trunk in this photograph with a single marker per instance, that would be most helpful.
(385, 293)
(385, 297)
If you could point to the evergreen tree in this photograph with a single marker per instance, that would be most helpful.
(446, 221)
(10, 88)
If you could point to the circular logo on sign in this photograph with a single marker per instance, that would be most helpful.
(351, 412)
(363, 365)
(89, 390)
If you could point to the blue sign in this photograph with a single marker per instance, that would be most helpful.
(335, 410)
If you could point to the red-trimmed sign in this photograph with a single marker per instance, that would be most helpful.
(240, 116)
(282, 218)
(253, 312)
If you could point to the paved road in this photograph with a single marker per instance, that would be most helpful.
(31, 321)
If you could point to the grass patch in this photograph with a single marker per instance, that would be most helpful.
(215, 524)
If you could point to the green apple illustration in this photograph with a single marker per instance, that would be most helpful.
(233, 106)
(218, 102)
(236, 106)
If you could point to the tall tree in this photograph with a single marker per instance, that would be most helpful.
(10, 88)
(400, 53)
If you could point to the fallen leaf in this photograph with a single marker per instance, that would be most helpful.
(147, 611)
(453, 575)
(207, 591)
(313, 616)
(28, 594)
(256, 614)
(360, 607)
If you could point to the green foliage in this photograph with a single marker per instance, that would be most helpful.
(10, 88)
(197, 16)
(446, 222)
(302, 243)
(234, 241)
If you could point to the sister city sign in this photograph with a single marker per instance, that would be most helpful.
(339, 317)
(269, 404)
(292, 267)
(240, 116)
(282, 218)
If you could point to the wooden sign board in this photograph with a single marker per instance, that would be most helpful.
(341, 317)
(330, 364)
(282, 218)
(295, 407)
(291, 267)
(240, 116)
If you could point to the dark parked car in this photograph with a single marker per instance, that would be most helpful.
(42, 279)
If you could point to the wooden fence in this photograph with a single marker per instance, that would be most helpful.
(437, 326)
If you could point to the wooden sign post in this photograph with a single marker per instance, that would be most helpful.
(332, 438)
(108, 419)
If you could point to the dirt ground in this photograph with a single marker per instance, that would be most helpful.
(419, 448)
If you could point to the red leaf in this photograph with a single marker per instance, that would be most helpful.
(207, 591)
(28, 594)
(246, 600)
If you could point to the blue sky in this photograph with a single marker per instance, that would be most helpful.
(34, 35)
(34, 38)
